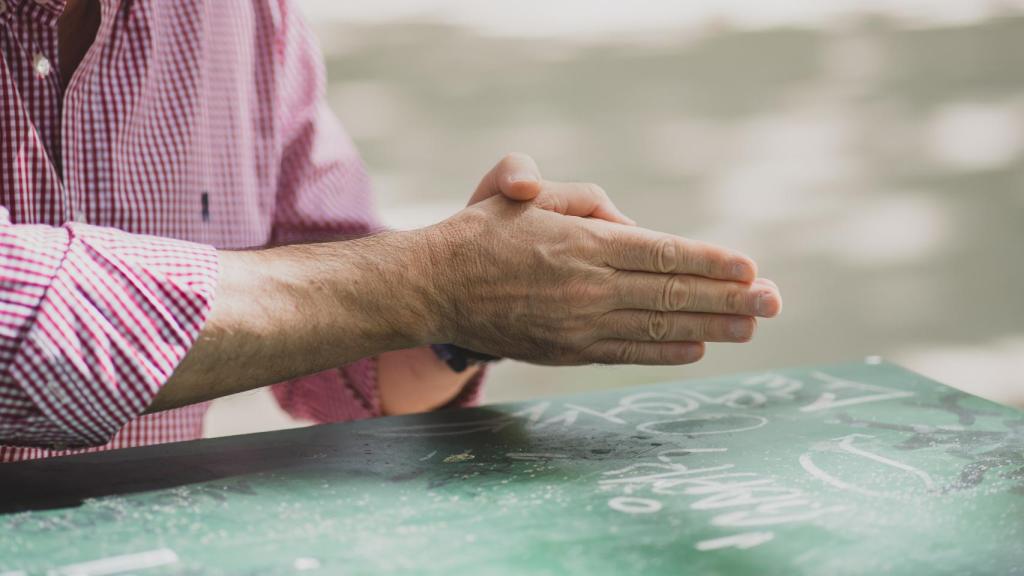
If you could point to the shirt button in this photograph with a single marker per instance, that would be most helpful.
(41, 65)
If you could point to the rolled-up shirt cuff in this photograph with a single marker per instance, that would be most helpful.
(119, 314)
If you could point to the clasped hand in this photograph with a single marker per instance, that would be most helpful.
(553, 273)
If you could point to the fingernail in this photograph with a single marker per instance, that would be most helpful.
(740, 270)
(765, 306)
(522, 177)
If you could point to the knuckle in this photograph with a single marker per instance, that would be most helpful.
(657, 326)
(548, 201)
(704, 262)
(595, 191)
(543, 201)
(668, 294)
(580, 292)
(706, 327)
(591, 244)
(612, 239)
(711, 267)
(677, 294)
(557, 203)
(627, 353)
(603, 246)
(700, 258)
(666, 255)
(733, 301)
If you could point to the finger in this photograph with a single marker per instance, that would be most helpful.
(655, 326)
(516, 176)
(643, 250)
(688, 293)
(651, 353)
(580, 199)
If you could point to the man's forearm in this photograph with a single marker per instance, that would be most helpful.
(499, 277)
(295, 310)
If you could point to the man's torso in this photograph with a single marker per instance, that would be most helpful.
(168, 127)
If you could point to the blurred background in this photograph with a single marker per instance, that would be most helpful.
(868, 154)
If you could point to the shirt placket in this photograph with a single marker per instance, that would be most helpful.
(42, 58)
(63, 130)
(79, 137)
(34, 66)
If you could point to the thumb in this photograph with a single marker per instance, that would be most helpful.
(516, 176)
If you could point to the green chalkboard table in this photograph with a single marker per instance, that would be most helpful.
(851, 469)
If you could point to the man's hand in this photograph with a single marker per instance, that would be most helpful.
(415, 380)
(519, 281)
(517, 177)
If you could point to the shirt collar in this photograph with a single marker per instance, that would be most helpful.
(44, 11)
(52, 6)
(48, 11)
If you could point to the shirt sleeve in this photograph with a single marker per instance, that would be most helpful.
(323, 193)
(93, 321)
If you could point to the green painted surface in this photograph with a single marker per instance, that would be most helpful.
(851, 469)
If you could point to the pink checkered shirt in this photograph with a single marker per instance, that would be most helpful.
(189, 125)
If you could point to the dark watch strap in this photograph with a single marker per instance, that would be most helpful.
(458, 358)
